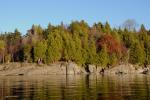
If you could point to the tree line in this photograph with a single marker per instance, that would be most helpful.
(99, 44)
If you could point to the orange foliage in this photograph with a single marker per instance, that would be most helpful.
(112, 45)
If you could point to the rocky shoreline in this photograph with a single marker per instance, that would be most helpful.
(67, 68)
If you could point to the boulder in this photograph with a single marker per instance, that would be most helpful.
(70, 68)
(98, 70)
(122, 69)
(92, 68)
(143, 70)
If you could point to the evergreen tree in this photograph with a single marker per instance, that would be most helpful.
(102, 57)
(54, 46)
(80, 43)
(91, 53)
(107, 28)
(77, 54)
(27, 52)
(40, 50)
(2, 50)
(148, 54)
(113, 59)
(144, 40)
(137, 54)
(129, 38)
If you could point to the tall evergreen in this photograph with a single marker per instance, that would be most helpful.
(54, 46)
(91, 54)
(2, 50)
(107, 28)
(102, 57)
(40, 50)
(27, 52)
(137, 54)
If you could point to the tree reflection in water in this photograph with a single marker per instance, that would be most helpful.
(77, 87)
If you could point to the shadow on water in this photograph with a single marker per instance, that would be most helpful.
(75, 87)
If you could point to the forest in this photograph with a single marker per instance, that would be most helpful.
(99, 44)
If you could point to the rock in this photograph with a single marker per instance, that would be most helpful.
(70, 68)
(83, 71)
(122, 69)
(73, 68)
(120, 73)
(21, 74)
(92, 68)
(63, 68)
(145, 71)
(98, 70)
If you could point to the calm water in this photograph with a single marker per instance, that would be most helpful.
(61, 87)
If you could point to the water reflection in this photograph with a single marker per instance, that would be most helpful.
(79, 87)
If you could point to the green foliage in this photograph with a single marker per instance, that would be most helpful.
(37, 29)
(2, 45)
(79, 28)
(107, 28)
(2, 49)
(113, 59)
(54, 46)
(40, 50)
(129, 38)
(102, 57)
(83, 44)
(91, 58)
(27, 52)
(7, 58)
(68, 47)
(148, 54)
(77, 52)
(137, 54)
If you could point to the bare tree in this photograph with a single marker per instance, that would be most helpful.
(130, 24)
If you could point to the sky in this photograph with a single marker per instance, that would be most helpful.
(22, 14)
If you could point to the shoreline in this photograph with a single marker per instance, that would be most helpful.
(65, 68)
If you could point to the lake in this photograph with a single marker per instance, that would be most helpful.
(75, 87)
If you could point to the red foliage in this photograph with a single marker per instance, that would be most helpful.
(112, 45)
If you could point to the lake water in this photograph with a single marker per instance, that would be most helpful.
(79, 87)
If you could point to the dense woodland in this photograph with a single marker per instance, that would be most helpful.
(99, 44)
